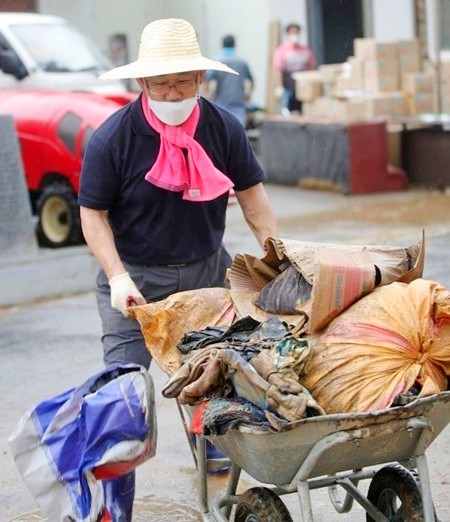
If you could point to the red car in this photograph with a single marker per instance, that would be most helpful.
(53, 128)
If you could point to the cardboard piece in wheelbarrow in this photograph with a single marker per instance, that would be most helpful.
(338, 276)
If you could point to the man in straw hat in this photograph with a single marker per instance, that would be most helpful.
(155, 183)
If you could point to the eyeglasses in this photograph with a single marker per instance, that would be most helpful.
(163, 88)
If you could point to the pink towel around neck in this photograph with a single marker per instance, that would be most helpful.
(193, 173)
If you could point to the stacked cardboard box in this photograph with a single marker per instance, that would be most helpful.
(388, 105)
(331, 72)
(309, 85)
(382, 80)
(335, 110)
(420, 91)
(355, 74)
(408, 54)
(380, 64)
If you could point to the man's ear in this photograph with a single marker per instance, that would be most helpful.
(201, 76)
(140, 82)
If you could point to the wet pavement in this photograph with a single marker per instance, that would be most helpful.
(145, 509)
(49, 346)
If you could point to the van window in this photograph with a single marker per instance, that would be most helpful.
(4, 45)
(75, 52)
(5, 49)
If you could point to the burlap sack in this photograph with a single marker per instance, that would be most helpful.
(393, 338)
(165, 322)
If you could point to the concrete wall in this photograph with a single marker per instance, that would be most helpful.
(213, 20)
(393, 19)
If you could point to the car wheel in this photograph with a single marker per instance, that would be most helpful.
(261, 505)
(58, 217)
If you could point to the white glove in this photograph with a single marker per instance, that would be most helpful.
(124, 293)
(279, 91)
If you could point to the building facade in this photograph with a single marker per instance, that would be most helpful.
(257, 25)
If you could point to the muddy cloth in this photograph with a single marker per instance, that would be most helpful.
(406, 397)
(292, 356)
(221, 415)
(199, 377)
(263, 364)
(248, 384)
(226, 369)
(285, 293)
(209, 383)
(276, 352)
(224, 372)
(238, 332)
(246, 335)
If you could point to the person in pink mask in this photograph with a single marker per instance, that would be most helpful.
(289, 57)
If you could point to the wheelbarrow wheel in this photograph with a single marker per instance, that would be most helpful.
(261, 505)
(395, 491)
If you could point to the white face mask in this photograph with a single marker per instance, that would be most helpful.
(294, 38)
(173, 113)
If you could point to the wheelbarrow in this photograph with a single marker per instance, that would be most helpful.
(331, 451)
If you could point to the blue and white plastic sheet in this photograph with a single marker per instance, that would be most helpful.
(66, 446)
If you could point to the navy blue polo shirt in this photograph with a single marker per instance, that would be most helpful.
(151, 225)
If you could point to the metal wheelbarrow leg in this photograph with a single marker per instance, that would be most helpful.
(220, 511)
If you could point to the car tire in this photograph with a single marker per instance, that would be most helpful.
(58, 215)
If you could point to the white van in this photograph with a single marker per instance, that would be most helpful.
(43, 51)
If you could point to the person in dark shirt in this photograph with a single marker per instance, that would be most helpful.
(231, 91)
(155, 182)
(154, 190)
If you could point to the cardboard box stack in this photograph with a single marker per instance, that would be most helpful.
(308, 85)
(335, 109)
(382, 80)
(380, 64)
(355, 74)
(420, 91)
(408, 56)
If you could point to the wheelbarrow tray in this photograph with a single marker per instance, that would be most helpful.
(377, 437)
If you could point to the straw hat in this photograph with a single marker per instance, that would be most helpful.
(167, 46)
